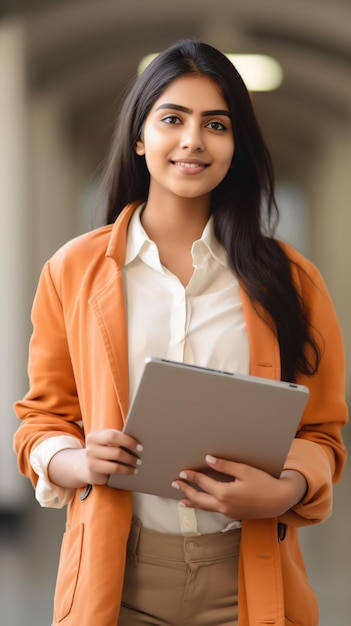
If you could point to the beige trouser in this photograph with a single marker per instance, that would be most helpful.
(171, 579)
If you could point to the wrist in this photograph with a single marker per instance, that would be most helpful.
(297, 486)
(68, 468)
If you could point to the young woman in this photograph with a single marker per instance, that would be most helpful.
(184, 270)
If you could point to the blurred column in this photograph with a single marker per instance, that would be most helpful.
(13, 251)
(331, 227)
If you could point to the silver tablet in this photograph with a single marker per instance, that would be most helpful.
(182, 412)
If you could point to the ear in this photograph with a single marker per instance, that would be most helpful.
(139, 147)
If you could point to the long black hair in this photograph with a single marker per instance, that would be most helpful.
(243, 204)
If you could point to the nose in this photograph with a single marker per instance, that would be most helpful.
(192, 139)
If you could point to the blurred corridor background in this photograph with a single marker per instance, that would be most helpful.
(64, 66)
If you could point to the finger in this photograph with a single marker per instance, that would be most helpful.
(111, 459)
(113, 437)
(191, 480)
(195, 498)
(127, 443)
(119, 467)
(213, 480)
(195, 484)
(223, 466)
(122, 456)
(114, 446)
(130, 452)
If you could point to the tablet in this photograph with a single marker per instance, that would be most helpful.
(182, 412)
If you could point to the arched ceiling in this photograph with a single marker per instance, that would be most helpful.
(85, 52)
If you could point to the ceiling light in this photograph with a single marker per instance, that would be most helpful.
(258, 71)
(145, 61)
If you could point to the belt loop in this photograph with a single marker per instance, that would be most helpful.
(133, 540)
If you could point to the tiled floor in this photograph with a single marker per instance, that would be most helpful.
(29, 549)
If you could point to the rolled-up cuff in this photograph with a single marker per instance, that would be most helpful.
(47, 493)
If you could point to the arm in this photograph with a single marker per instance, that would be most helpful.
(51, 407)
(106, 452)
(318, 451)
(59, 463)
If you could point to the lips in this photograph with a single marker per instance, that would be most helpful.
(190, 165)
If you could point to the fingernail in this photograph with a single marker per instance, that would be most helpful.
(180, 503)
(139, 447)
(175, 485)
(135, 471)
(138, 461)
(182, 475)
(210, 458)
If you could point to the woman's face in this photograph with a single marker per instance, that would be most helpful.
(187, 138)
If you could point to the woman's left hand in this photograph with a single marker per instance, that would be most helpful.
(251, 494)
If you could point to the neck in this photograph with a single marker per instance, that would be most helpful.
(176, 218)
(174, 224)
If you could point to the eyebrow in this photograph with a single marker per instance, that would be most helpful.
(179, 107)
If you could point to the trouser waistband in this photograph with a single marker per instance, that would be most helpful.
(179, 548)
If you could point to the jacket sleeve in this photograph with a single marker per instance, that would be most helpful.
(51, 406)
(318, 451)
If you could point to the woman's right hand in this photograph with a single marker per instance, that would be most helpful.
(111, 452)
(106, 452)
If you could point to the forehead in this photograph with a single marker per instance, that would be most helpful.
(194, 92)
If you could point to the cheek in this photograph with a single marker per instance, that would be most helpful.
(224, 152)
(228, 153)
(153, 139)
(154, 159)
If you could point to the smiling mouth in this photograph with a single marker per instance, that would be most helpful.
(190, 164)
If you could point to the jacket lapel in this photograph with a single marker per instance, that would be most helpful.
(108, 306)
(109, 310)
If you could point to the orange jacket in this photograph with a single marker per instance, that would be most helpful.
(78, 370)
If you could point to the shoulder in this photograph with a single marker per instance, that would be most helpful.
(307, 278)
(79, 263)
(82, 252)
(92, 242)
(92, 247)
(301, 265)
(297, 257)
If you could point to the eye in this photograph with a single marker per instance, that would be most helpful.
(214, 125)
(171, 119)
